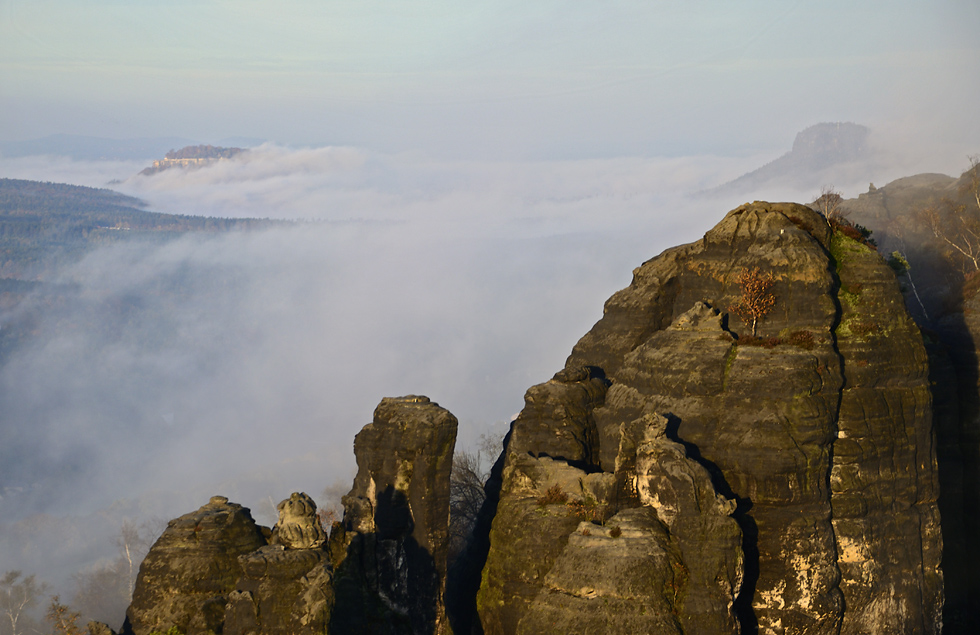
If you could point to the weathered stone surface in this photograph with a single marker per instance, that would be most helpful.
(212, 572)
(557, 418)
(391, 571)
(763, 417)
(625, 577)
(530, 531)
(298, 526)
(707, 578)
(99, 628)
(672, 565)
(884, 480)
(942, 298)
(186, 577)
(282, 592)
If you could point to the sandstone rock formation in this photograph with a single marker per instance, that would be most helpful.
(821, 153)
(679, 475)
(819, 430)
(212, 571)
(391, 550)
(943, 298)
(298, 526)
(282, 591)
(188, 574)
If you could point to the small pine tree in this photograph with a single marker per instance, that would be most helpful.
(756, 301)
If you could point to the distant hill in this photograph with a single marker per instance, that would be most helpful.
(46, 225)
(815, 150)
(192, 156)
(896, 214)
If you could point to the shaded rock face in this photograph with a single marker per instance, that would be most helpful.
(944, 301)
(188, 574)
(390, 553)
(816, 437)
(957, 382)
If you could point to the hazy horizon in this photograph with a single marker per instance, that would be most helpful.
(555, 80)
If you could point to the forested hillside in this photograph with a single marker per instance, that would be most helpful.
(45, 227)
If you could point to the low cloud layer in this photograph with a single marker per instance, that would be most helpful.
(244, 364)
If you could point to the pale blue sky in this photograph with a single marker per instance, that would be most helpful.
(499, 78)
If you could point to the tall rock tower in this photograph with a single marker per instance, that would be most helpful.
(684, 475)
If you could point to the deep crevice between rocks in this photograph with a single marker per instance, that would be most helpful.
(465, 574)
(742, 607)
(834, 268)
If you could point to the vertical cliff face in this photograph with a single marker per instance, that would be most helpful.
(816, 436)
(884, 479)
(391, 551)
(957, 376)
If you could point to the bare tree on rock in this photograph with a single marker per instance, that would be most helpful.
(756, 300)
(830, 204)
(956, 223)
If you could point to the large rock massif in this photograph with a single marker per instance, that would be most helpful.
(383, 570)
(688, 471)
(816, 435)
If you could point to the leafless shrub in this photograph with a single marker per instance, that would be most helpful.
(554, 496)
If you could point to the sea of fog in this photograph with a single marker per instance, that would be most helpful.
(244, 364)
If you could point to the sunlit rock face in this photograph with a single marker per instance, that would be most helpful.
(188, 574)
(390, 553)
(282, 591)
(693, 469)
(298, 526)
(813, 505)
(211, 572)
(286, 587)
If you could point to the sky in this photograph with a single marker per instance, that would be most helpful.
(472, 181)
(500, 79)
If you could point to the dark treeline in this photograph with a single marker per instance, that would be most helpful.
(44, 226)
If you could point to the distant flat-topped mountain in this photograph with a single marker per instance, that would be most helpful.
(191, 157)
(815, 150)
